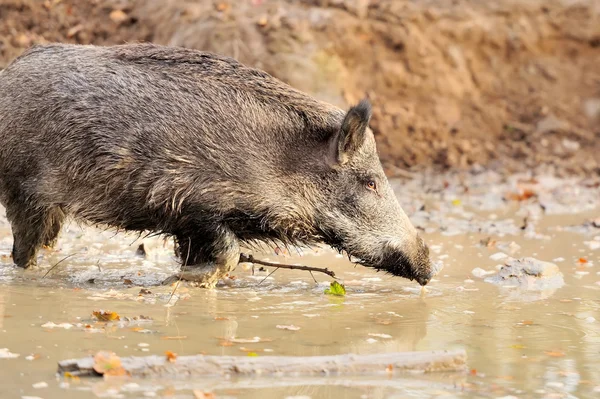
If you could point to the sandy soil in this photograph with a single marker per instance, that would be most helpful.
(454, 83)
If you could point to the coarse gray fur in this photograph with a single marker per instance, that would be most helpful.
(186, 143)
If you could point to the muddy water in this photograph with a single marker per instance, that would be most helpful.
(520, 343)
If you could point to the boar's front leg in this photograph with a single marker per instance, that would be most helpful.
(206, 257)
(32, 227)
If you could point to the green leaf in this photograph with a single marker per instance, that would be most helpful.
(336, 288)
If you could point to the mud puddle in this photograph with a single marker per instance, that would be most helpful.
(521, 342)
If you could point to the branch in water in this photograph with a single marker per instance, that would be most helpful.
(346, 364)
(250, 259)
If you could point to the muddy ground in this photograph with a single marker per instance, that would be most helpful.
(455, 83)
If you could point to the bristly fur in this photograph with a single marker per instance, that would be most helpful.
(190, 144)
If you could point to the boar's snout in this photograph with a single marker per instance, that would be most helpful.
(412, 262)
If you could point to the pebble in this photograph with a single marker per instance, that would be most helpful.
(39, 385)
(479, 272)
(498, 256)
(555, 384)
(143, 345)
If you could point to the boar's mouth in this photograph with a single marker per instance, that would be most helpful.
(392, 261)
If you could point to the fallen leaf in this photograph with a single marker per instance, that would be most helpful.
(555, 353)
(473, 372)
(583, 260)
(336, 289)
(221, 318)
(118, 16)
(70, 33)
(225, 343)
(252, 354)
(71, 376)
(109, 364)
(521, 196)
(127, 281)
(222, 7)
(177, 337)
(262, 21)
(389, 368)
(203, 395)
(106, 315)
(171, 357)
(456, 202)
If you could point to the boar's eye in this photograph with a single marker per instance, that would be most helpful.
(372, 185)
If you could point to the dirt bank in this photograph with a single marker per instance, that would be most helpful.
(454, 83)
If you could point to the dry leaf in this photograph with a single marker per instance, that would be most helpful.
(177, 337)
(171, 357)
(583, 260)
(70, 33)
(109, 364)
(222, 7)
(203, 395)
(522, 196)
(118, 16)
(554, 353)
(262, 21)
(221, 318)
(106, 315)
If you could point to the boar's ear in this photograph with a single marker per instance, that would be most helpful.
(351, 135)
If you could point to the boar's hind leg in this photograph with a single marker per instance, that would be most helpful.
(31, 228)
(206, 258)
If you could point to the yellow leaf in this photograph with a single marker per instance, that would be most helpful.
(336, 289)
(518, 346)
(106, 315)
(456, 202)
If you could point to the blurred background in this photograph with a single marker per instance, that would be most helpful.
(504, 84)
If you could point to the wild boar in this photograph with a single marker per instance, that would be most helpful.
(197, 146)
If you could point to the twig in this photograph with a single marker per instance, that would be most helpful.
(250, 259)
(187, 257)
(268, 275)
(58, 263)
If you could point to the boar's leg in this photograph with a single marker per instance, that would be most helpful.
(206, 257)
(31, 228)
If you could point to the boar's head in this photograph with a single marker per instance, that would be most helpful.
(356, 210)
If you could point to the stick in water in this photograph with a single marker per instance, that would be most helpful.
(250, 259)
